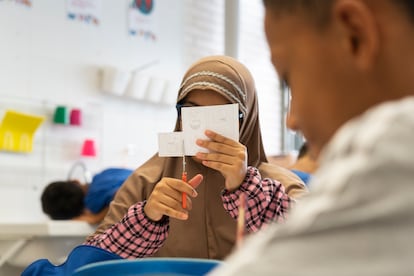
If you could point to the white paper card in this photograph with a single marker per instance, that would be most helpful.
(222, 119)
(170, 144)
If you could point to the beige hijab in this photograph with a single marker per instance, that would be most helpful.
(210, 231)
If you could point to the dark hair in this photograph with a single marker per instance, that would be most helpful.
(319, 10)
(63, 200)
(303, 150)
(407, 6)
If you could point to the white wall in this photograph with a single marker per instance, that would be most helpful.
(48, 60)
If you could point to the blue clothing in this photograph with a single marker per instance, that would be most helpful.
(79, 256)
(103, 188)
(178, 266)
(303, 175)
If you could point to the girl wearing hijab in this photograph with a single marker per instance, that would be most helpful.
(146, 217)
(139, 220)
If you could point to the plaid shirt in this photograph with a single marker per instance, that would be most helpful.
(136, 236)
(266, 201)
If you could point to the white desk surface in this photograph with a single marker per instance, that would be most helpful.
(45, 228)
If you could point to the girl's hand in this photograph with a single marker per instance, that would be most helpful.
(226, 156)
(166, 198)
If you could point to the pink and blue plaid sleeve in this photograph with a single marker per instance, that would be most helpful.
(266, 200)
(135, 236)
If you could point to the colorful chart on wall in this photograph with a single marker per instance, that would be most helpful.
(26, 3)
(141, 21)
(87, 11)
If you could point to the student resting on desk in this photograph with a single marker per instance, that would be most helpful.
(71, 199)
(305, 165)
(146, 217)
(349, 65)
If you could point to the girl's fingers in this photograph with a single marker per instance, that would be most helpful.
(218, 166)
(170, 204)
(214, 157)
(223, 145)
(177, 214)
(220, 138)
(238, 159)
(172, 212)
(213, 147)
(166, 198)
(196, 181)
(175, 187)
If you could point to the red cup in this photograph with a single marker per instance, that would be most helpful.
(88, 148)
(76, 117)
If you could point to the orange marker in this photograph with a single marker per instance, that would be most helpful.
(184, 178)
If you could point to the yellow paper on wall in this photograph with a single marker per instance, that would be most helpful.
(17, 130)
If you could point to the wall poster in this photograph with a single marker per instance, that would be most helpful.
(141, 21)
(26, 3)
(87, 11)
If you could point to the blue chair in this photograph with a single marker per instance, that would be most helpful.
(78, 257)
(149, 267)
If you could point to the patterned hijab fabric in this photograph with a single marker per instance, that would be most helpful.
(231, 79)
(210, 231)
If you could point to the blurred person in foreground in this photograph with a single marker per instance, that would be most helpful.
(349, 65)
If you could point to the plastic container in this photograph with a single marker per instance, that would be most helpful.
(115, 80)
(88, 148)
(61, 115)
(17, 131)
(75, 117)
(149, 267)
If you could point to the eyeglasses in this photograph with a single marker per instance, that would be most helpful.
(180, 105)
